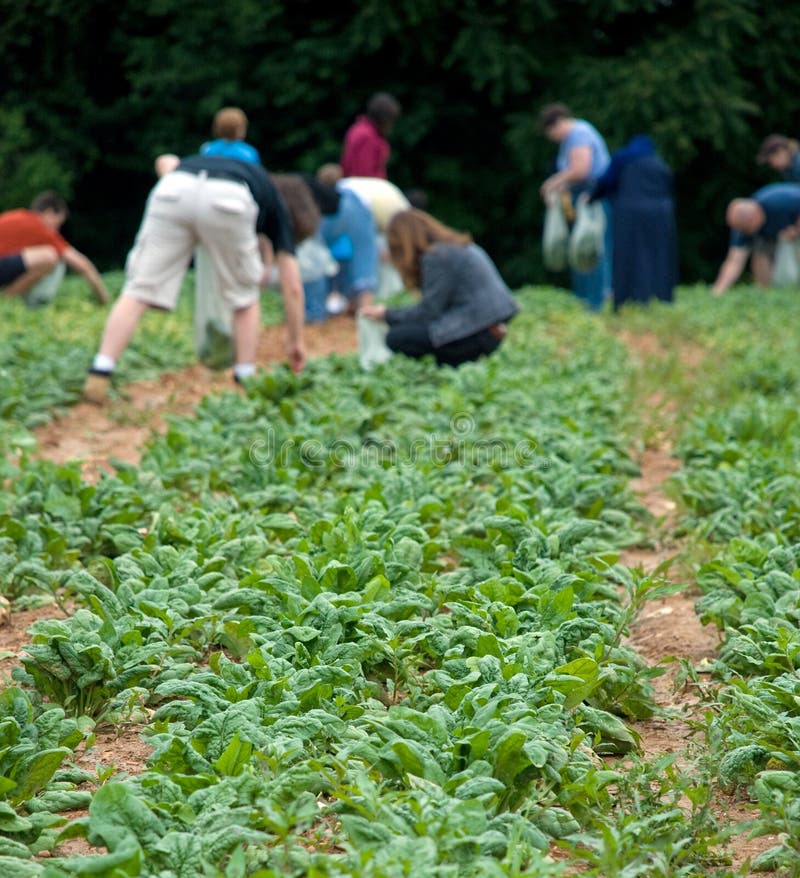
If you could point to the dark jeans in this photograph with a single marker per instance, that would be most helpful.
(413, 340)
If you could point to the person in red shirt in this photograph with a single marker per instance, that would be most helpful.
(366, 147)
(31, 247)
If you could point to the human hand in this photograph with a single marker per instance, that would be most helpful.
(373, 312)
(790, 233)
(297, 357)
(550, 186)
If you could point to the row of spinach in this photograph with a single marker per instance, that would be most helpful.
(372, 624)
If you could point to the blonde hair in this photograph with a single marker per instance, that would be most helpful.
(410, 234)
(230, 123)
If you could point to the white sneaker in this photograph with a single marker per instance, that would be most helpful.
(336, 303)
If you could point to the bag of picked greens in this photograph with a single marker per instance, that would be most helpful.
(555, 235)
(213, 319)
(586, 242)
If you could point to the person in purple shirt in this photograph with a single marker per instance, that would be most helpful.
(756, 223)
(582, 159)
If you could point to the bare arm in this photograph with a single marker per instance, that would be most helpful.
(84, 266)
(731, 269)
(165, 163)
(268, 258)
(294, 303)
(578, 170)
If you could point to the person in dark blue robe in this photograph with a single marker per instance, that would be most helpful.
(639, 184)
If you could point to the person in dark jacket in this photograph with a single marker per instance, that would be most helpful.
(465, 303)
(639, 185)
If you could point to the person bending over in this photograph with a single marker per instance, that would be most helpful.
(33, 252)
(756, 223)
(464, 305)
(223, 204)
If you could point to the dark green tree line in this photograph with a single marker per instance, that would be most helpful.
(93, 91)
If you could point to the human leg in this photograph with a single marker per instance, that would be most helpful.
(411, 339)
(155, 269)
(34, 262)
(119, 329)
(226, 215)
(246, 325)
(464, 350)
(761, 266)
(354, 219)
(120, 326)
(316, 292)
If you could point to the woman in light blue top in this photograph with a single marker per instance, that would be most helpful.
(582, 159)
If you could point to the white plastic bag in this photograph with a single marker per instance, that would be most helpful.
(785, 267)
(372, 348)
(586, 242)
(213, 319)
(315, 260)
(555, 235)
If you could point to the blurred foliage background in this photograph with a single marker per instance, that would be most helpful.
(93, 91)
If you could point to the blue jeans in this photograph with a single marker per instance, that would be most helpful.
(594, 287)
(316, 293)
(354, 219)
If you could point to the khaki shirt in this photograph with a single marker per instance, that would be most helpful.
(383, 198)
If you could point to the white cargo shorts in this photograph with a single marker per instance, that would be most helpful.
(186, 209)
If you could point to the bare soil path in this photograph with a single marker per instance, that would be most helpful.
(668, 632)
(97, 435)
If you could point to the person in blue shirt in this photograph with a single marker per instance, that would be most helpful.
(582, 159)
(230, 130)
(756, 223)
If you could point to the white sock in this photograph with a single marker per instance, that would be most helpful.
(102, 363)
(244, 370)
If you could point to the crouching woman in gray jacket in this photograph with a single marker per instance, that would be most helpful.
(465, 304)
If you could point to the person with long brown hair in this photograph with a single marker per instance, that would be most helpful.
(465, 304)
(324, 212)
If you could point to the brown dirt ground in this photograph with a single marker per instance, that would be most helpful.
(95, 435)
(667, 630)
